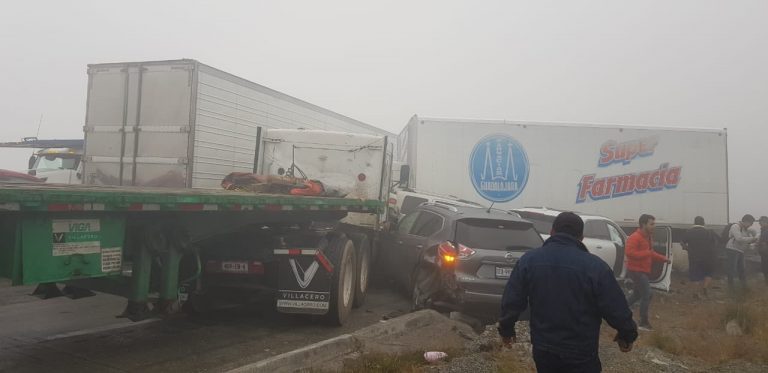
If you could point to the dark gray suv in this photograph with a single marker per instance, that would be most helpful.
(457, 257)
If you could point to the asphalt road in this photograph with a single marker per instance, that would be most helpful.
(83, 335)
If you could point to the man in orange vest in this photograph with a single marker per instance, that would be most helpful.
(640, 258)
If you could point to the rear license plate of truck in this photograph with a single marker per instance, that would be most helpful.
(234, 267)
(503, 272)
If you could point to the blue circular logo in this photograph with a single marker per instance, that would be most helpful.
(498, 168)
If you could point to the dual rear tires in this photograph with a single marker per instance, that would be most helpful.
(350, 276)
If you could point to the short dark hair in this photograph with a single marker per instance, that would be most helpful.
(764, 219)
(748, 218)
(698, 220)
(645, 218)
(569, 223)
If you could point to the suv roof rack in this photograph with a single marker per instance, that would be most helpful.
(441, 204)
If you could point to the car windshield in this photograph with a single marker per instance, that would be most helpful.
(496, 234)
(542, 223)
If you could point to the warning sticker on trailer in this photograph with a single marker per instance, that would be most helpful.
(111, 259)
(76, 237)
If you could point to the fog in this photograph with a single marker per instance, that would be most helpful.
(684, 63)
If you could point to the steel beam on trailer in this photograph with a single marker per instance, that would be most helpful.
(169, 279)
(138, 294)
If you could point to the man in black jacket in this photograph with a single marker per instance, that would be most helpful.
(570, 292)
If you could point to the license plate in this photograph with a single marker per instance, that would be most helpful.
(503, 272)
(234, 267)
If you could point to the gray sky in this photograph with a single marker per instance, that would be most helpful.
(692, 63)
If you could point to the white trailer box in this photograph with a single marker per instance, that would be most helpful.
(182, 123)
(614, 171)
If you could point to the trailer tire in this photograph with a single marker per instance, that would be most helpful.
(343, 285)
(363, 273)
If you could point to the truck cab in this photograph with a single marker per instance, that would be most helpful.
(57, 165)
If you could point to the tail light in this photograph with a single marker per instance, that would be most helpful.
(465, 252)
(447, 254)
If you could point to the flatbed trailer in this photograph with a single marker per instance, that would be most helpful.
(179, 245)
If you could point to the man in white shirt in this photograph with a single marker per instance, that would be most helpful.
(739, 239)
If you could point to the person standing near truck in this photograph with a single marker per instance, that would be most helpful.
(762, 247)
(570, 292)
(640, 257)
(739, 239)
(700, 244)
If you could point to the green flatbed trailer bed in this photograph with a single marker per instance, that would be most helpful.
(66, 234)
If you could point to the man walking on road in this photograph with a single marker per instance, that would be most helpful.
(570, 292)
(739, 239)
(763, 246)
(700, 243)
(640, 258)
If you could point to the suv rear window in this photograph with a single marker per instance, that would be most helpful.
(496, 235)
(542, 223)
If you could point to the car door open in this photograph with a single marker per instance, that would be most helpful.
(661, 273)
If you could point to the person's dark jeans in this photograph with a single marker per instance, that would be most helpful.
(764, 264)
(736, 268)
(641, 291)
(549, 362)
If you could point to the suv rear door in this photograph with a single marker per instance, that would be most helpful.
(497, 244)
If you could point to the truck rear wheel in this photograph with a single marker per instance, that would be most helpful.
(363, 246)
(343, 285)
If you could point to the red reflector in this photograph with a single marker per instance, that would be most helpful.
(324, 261)
(361, 177)
(136, 207)
(191, 207)
(256, 268)
(294, 252)
(64, 207)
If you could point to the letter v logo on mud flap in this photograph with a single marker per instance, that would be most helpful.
(305, 278)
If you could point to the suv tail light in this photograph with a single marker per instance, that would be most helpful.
(465, 252)
(447, 254)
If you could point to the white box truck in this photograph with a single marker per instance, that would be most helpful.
(182, 123)
(615, 171)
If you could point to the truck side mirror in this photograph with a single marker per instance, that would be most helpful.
(405, 174)
(32, 161)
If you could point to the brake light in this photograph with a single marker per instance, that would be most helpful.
(465, 252)
(446, 253)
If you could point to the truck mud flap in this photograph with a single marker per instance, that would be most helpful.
(304, 281)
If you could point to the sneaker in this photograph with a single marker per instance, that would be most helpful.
(645, 328)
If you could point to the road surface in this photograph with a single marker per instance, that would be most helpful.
(64, 335)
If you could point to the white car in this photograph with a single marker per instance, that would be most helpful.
(606, 239)
(602, 236)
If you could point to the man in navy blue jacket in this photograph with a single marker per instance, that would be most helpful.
(570, 292)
